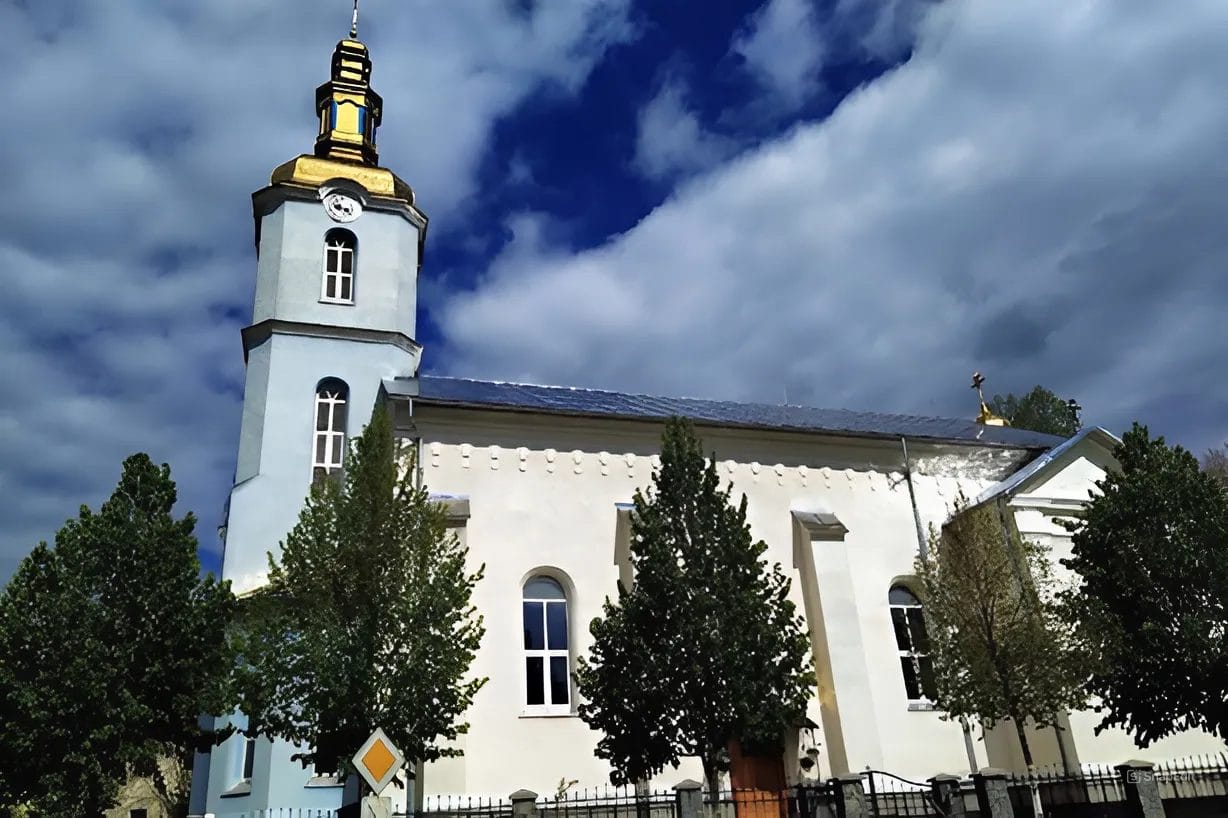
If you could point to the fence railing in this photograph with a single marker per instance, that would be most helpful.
(1194, 787)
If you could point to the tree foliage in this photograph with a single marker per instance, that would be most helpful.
(706, 647)
(111, 645)
(1000, 646)
(1215, 463)
(366, 619)
(1151, 554)
(1039, 411)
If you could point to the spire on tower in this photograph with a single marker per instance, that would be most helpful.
(348, 108)
(349, 113)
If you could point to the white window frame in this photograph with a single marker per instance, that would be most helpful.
(338, 245)
(329, 396)
(548, 708)
(923, 702)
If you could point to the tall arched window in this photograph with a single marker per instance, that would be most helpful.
(340, 255)
(913, 644)
(329, 438)
(547, 661)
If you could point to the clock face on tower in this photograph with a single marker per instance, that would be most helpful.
(342, 208)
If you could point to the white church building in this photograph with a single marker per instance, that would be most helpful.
(538, 482)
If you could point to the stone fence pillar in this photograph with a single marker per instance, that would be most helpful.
(524, 804)
(690, 798)
(944, 789)
(850, 796)
(1142, 790)
(992, 798)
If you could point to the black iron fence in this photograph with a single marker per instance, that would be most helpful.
(1189, 788)
(611, 803)
(1195, 787)
(465, 806)
(803, 801)
(890, 796)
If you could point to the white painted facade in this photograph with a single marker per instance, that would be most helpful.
(543, 497)
(537, 494)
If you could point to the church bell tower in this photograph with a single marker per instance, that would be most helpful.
(339, 246)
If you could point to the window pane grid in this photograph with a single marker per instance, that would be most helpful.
(339, 270)
(329, 446)
(547, 658)
(912, 642)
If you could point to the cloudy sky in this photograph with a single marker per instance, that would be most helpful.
(858, 202)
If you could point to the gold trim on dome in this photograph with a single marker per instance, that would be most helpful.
(313, 171)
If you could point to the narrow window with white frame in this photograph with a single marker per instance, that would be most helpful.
(913, 644)
(332, 396)
(249, 758)
(340, 255)
(547, 659)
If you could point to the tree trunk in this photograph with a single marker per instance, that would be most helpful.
(711, 785)
(1023, 741)
(1061, 747)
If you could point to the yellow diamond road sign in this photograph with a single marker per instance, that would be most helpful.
(378, 761)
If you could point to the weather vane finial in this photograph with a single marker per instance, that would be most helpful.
(354, 24)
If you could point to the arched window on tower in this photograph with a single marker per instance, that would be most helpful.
(547, 659)
(913, 644)
(332, 396)
(340, 258)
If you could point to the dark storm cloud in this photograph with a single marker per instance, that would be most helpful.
(1037, 193)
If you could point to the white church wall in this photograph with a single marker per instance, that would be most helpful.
(545, 495)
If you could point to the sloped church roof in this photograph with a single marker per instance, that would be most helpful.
(435, 390)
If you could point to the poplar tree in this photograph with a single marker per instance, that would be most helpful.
(366, 619)
(111, 645)
(1001, 647)
(706, 647)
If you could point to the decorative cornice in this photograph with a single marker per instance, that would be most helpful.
(257, 334)
(640, 467)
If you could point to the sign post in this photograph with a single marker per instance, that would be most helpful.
(378, 761)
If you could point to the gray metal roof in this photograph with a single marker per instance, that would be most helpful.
(440, 391)
(1010, 484)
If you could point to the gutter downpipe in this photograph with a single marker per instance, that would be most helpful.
(922, 543)
(923, 551)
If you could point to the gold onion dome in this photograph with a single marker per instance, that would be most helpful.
(349, 110)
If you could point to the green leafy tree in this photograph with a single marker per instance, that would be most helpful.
(1000, 646)
(1151, 555)
(706, 647)
(111, 645)
(1039, 411)
(366, 619)
(1215, 463)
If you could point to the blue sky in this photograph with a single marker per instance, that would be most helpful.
(856, 201)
